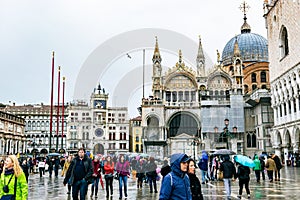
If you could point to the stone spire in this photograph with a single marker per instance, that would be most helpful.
(245, 28)
(236, 49)
(156, 56)
(200, 60)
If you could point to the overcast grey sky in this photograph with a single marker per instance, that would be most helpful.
(32, 29)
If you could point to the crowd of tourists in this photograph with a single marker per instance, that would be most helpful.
(177, 174)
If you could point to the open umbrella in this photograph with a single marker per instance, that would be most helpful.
(244, 160)
(223, 152)
(144, 155)
(53, 154)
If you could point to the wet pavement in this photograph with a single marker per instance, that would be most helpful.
(288, 187)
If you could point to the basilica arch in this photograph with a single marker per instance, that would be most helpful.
(183, 123)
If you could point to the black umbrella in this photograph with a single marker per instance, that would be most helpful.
(223, 152)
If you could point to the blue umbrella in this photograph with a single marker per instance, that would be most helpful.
(244, 160)
(53, 154)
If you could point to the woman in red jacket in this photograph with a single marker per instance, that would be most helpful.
(96, 175)
(109, 177)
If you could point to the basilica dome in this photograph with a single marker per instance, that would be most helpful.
(253, 47)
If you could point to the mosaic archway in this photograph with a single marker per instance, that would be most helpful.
(98, 149)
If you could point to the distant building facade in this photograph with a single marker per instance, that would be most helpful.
(135, 126)
(282, 21)
(98, 128)
(12, 134)
(37, 127)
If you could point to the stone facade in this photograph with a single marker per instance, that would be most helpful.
(282, 20)
(37, 127)
(98, 128)
(135, 127)
(12, 134)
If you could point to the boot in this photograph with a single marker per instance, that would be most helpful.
(69, 189)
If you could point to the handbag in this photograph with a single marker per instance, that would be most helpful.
(10, 196)
(106, 176)
(116, 176)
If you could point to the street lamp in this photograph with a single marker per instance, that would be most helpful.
(226, 133)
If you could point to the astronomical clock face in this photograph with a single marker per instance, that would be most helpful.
(99, 132)
(99, 104)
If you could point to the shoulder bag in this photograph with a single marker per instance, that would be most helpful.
(6, 190)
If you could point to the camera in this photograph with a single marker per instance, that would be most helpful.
(5, 189)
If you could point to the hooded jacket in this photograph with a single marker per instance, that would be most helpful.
(257, 163)
(176, 184)
(228, 168)
(203, 163)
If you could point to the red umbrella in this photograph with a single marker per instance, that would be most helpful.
(101, 182)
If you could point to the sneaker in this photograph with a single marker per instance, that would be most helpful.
(249, 196)
(239, 197)
(68, 192)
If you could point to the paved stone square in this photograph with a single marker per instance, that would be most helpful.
(289, 188)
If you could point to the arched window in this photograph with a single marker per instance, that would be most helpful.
(253, 141)
(248, 140)
(254, 86)
(246, 89)
(284, 43)
(263, 77)
(253, 78)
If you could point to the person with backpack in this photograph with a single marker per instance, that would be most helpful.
(262, 166)
(203, 165)
(176, 184)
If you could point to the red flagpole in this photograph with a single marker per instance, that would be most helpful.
(51, 104)
(63, 114)
(57, 114)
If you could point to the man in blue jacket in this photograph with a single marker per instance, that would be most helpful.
(176, 184)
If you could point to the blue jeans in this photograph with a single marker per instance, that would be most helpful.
(79, 186)
(123, 179)
(204, 176)
(95, 185)
(227, 184)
